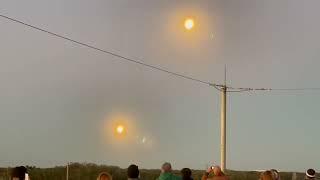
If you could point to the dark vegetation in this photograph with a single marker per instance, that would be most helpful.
(89, 171)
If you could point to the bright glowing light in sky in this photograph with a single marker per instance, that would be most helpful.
(123, 131)
(120, 129)
(189, 24)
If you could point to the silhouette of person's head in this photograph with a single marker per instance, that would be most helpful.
(266, 175)
(186, 174)
(133, 171)
(104, 176)
(18, 173)
(166, 167)
(310, 174)
(275, 174)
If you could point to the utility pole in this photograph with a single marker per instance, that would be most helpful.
(67, 175)
(223, 119)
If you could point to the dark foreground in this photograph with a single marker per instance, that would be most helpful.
(88, 171)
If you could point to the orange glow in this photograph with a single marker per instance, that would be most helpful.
(189, 23)
(120, 129)
(186, 29)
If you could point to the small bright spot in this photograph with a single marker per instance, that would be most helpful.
(120, 129)
(189, 23)
(212, 36)
(144, 140)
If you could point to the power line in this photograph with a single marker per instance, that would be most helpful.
(109, 52)
(219, 87)
(297, 89)
(235, 89)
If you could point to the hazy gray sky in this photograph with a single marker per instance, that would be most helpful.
(58, 99)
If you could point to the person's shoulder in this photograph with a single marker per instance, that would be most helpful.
(226, 178)
(220, 178)
(175, 177)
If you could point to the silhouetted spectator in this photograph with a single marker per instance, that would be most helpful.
(275, 173)
(310, 174)
(267, 175)
(19, 173)
(166, 173)
(104, 176)
(218, 174)
(133, 172)
(186, 174)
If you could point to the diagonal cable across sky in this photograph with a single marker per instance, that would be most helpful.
(153, 67)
